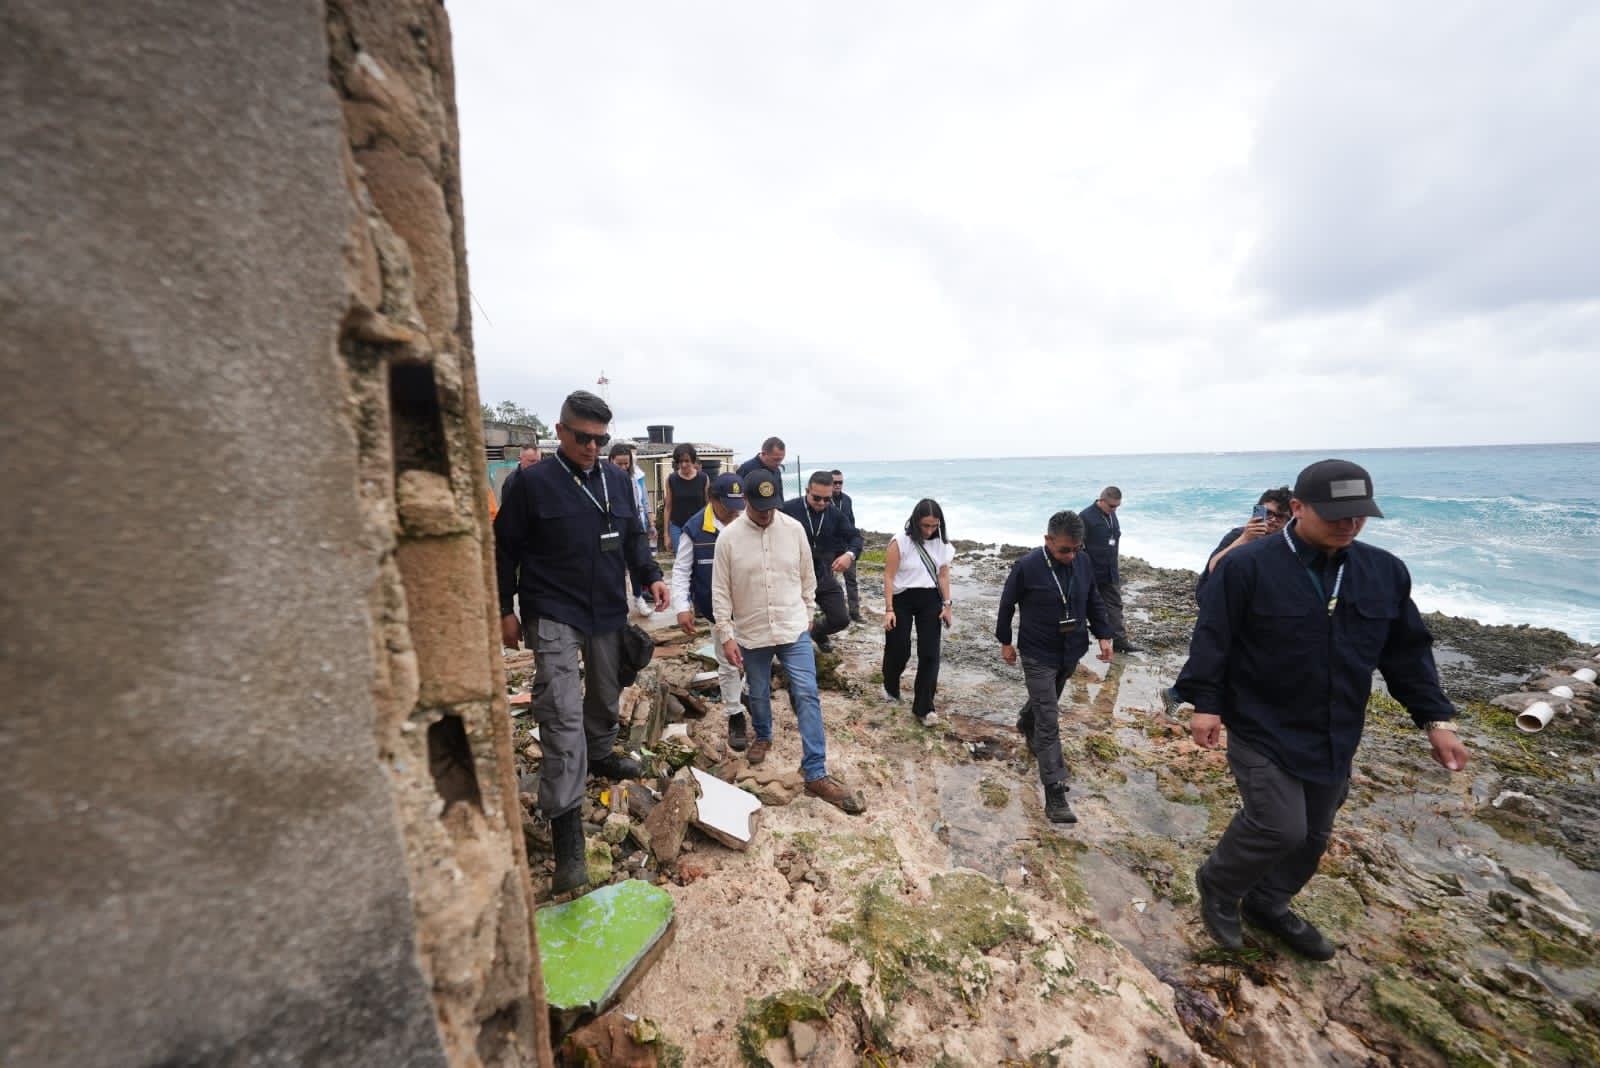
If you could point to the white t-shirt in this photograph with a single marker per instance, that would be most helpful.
(913, 573)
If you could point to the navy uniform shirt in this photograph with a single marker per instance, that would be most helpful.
(1205, 570)
(1289, 676)
(828, 531)
(754, 464)
(547, 545)
(1102, 537)
(1032, 587)
(842, 501)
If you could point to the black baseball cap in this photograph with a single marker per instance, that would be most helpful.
(761, 490)
(1337, 489)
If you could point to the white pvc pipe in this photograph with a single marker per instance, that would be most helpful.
(1584, 674)
(1532, 720)
(1563, 692)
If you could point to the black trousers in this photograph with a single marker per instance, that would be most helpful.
(830, 599)
(1271, 849)
(919, 608)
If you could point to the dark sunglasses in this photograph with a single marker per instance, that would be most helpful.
(819, 500)
(583, 437)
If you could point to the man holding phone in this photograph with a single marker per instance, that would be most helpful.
(1055, 588)
(1268, 517)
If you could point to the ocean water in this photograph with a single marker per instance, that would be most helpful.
(1501, 534)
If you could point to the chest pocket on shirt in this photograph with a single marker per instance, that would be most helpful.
(563, 527)
(1367, 627)
(1293, 620)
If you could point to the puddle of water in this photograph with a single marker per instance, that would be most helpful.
(981, 837)
(1139, 805)
(1149, 928)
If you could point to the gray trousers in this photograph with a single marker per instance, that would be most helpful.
(1043, 710)
(1111, 594)
(1271, 849)
(577, 720)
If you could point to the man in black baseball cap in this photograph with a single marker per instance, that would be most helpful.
(1291, 628)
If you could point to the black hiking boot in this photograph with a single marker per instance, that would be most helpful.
(1221, 917)
(1292, 931)
(571, 869)
(616, 766)
(738, 738)
(1056, 809)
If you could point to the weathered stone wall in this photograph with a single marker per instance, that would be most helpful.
(257, 779)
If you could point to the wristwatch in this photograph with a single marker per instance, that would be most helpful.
(1439, 725)
(949, 604)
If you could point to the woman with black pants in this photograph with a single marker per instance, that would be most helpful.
(916, 590)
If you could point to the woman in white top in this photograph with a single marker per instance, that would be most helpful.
(916, 589)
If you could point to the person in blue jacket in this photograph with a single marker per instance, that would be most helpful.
(835, 546)
(567, 534)
(1291, 627)
(1054, 588)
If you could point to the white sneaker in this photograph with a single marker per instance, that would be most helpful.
(883, 692)
(645, 607)
(932, 719)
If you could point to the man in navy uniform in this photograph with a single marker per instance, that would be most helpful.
(835, 545)
(567, 533)
(1291, 627)
(852, 585)
(1054, 588)
(1102, 536)
(770, 458)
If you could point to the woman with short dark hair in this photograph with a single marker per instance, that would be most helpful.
(916, 591)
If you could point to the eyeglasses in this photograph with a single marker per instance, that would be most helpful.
(583, 437)
(1276, 517)
(819, 500)
(838, 482)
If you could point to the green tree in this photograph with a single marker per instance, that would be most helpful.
(512, 412)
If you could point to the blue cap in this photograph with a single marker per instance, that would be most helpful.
(726, 488)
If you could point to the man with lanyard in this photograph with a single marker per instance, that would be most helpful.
(1290, 630)
(691, 589)
(762, 593)
(567, 532)
(835, 545)
(852, 587)
(1055, 589)
(1101, 537)
(770, 458)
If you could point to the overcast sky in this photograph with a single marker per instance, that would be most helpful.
(934, 228)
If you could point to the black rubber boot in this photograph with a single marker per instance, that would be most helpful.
(1056, 808)
(571, 869)
(1220, 917)
(616, 766)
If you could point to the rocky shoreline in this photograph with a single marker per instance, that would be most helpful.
(952, 925)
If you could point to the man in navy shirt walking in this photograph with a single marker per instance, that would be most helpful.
(1291, 627)
(1102, 535)
(835, 545)
(1055, 589)
(568, 531)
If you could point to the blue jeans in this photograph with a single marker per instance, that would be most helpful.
(800, 664)
(673, 532)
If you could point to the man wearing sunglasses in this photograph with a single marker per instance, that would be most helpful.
(567, 534)
(1055, 590)
(835, 545)
(852, 586)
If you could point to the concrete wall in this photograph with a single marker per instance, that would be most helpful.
(257, 790)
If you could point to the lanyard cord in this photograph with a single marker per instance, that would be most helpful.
(1338, 576)
(604, 509)
(1051, 565)
(821, 519)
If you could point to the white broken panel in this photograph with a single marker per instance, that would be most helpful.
(726, 813)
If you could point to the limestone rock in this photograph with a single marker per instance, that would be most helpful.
(669, 821)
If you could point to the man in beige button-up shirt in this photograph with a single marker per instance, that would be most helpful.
(763, 595)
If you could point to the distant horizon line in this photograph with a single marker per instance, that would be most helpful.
(1226, 452)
